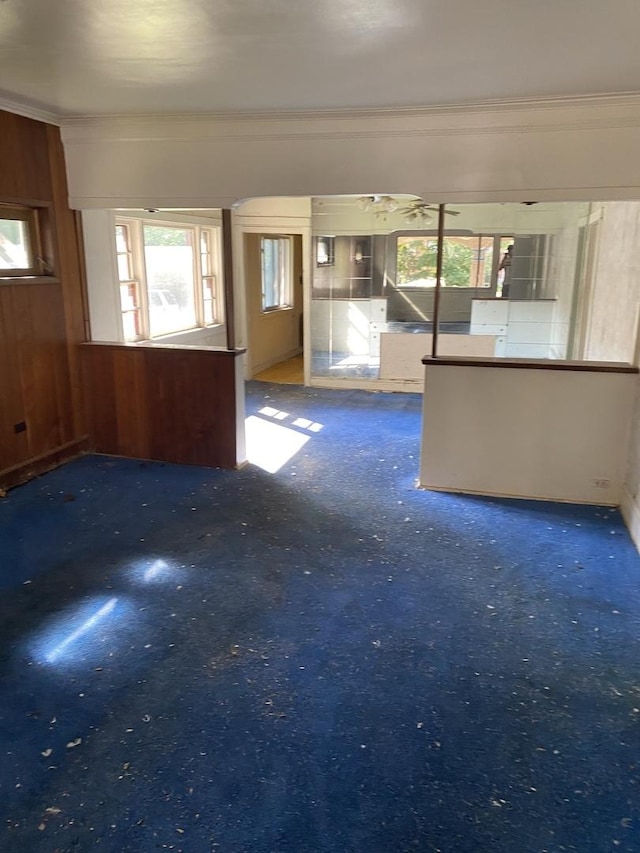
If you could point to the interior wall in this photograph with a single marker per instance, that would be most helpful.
(613, 320)
(41, 319)
(273, 335)
(615, 291)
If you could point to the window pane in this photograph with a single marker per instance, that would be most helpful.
(124, 268)
(276, 272)
(416, 261)
(208, 285)
(122, 242)
(130, 311)
(169, 265)
(14, 245)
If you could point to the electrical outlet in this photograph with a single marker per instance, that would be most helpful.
(601, 483)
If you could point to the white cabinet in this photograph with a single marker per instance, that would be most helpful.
(524, 328)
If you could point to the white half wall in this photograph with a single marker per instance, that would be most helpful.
(529, 433)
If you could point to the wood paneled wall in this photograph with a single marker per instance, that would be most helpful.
(41, 320)
(165, 403)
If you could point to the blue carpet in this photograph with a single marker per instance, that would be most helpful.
(319, 660)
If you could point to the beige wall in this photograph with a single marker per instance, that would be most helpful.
(615, 291)
(612, 326)
(273, 335)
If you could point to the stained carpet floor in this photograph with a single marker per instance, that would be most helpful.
(317, 660)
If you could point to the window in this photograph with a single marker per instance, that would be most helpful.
(466, 261)
(168, 277)
(130, 302)
(276, 273)
(209, 290)
(19, 241)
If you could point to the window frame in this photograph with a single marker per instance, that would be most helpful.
(133, 282)
(285, 264)
(135, 226)
(30, 215)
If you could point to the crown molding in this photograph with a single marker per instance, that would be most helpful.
(29, 111)
(620, 99)
(603, 112)
(602, 102)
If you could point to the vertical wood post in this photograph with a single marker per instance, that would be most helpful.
(227, 263)
(436, 297)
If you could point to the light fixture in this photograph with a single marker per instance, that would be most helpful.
(325, 251)
(419, 217)
(361, 250)
(378, 204)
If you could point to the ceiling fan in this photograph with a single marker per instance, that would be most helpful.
(419, 211)
(415, 211)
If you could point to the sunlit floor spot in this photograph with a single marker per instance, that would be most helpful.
(81, 632)
(304, 423)
(270, 445)
(274, 413)
(154, 570)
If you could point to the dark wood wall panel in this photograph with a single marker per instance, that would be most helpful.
(41, 320)
(24, 164)
(70, 267)
(168, 404)
(14, 446)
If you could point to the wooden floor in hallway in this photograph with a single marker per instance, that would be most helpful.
(290, 372)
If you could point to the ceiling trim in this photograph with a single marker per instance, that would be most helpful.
(566, 115)
(594, 103)
(29, 111)
(627, 99)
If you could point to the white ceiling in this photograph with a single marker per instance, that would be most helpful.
(89, 57)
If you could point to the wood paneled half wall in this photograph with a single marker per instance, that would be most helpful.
(165, 403)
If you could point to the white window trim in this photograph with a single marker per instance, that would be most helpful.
(136, 223)
(288, 304)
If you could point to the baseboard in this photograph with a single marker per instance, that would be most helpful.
(410, 386)
(23, 471)
(630, 509)
(451, 490)
(265, 365)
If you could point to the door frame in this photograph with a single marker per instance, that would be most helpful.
(277, 225)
